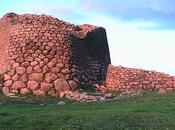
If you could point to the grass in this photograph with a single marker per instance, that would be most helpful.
(147, 112)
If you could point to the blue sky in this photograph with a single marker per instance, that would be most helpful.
(140, 32)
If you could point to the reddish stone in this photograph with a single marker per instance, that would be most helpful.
(72, 84)
(33, 85)
(15, 77)
(169, 89)
(68, 76)
(39, 93)
(8, 83)
(55, 70)
(18, 85)
(41, 56)
(48, 48)
(62, 94)
(24, 78)
(50, 64)
(146, 82)
(20, 70)
(20, 60)
(51, 44)
(66, 71)
(46, 86)
(15, 91)
(11, 72)
(5, 90)
(46, 60)
(24, 91)
(37, 68)
(42, 63)
(161, 91)
(49, 77)
(45, 69)
(29, 70)
(54, 60)
(38, 52)
(29, 59)
(34, 63)
(25, 64)
(38, 77)
(15, 65)
(10, 95)
(14, 57)
(61, 76)
(6, 77)
(61, 85)
(60, 65)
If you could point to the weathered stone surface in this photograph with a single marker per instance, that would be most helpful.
(11, 72)
(34, 63)
(38, 77)
(61, 76)
(72, 84)
(45, 69)
(46, 87)
(15, 77)
(8, 83)
(5, 90)
(60, 65)
(50, 64)
(49, 77)
(15, 65)
(61, 85)
(24, 78)
(25, 64)
(18, 85)
(20, 70)
(24, 91)
(39, 93)
(15, 91)
(10, 95)
(55, 70)
(66, 71)
(7, 77)
(62, 94)
(33, 85)
(37, 68)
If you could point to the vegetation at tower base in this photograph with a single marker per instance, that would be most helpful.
(146, 112)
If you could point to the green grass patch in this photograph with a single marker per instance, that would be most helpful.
(147, 112)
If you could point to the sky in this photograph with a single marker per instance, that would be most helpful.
(141, 33)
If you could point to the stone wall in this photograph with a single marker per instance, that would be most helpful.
(130, 80)
(4, 43)
(46, 55)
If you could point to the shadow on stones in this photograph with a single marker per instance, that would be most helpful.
(90, 57)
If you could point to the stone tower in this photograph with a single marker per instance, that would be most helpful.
(42, 54)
